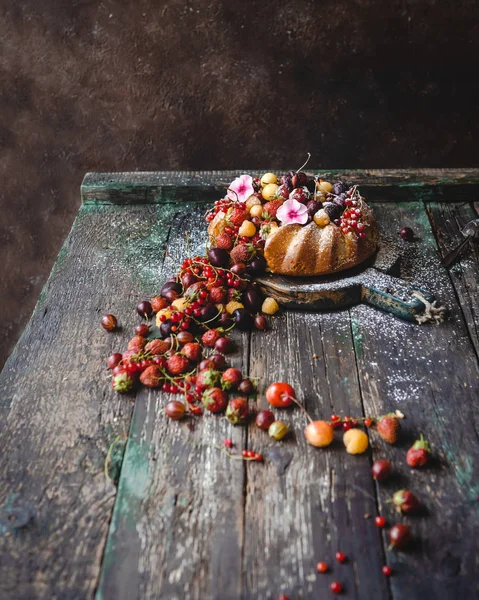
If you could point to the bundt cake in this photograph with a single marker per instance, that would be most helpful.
(296, 225)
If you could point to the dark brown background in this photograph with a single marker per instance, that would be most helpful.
(144, 85)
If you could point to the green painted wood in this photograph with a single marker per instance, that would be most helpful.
(377, 184)
(59, 415)
(431, 374)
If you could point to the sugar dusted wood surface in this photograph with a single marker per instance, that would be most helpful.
(186, 522)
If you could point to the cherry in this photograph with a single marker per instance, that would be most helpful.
(407, 234)
(228, 443)
(109, 322)
(400, 535)
(264, 419)
(224, 345)
(380, 522)
(280, 394)
(322, 567)
(387, 570)
(340, 557)
(113, 360)
(381, 470)
(142, 329)
(260, 322)
(336, 587)
(144, 309)
(246, 386)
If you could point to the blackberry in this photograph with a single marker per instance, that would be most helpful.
(332, 210)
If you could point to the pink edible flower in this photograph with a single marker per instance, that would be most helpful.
(292, 211)
(241, 188)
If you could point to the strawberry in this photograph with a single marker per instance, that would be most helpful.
(406, 502)
(209, 337)
(192, 351)
(137, 343)
(237, 216)
(419, 453)
(242, 253)
(237, 411)
(207, 379)
(272, 207)
(177, 364)
(151, 376)
(224, 241)
(231, 378)
(214, 400)
(218, 295)
(123, 382)
(388, 428)
(157, 346)
(158, 303)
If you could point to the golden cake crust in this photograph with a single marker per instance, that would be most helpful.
(310, 250)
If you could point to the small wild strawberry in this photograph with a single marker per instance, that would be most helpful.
(158, 303)
(237, 411)
(123, 382)
(151, 376)
(214, 400)
(157, 346)
(177, 364)
(237, 216)
(218, 295)
(388, 428)
(419, 453)
(209, 337)
(406, 502)
(137, 343)
(192, 351)
(224, 241)
(231, 378)
(207, 379)
(242, 253)
(272, 207)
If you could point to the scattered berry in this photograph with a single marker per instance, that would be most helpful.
(123, 382)
(207, 378)
(209, 337)
(228, 443)
(144, 309)
(137, 343)
(175, 410)
(419, 453)
(151, 376)
(192, 351)
(225, 345)
(400, 536)
(237, 411)
(278, 430)
(242, 253)
(177, 364)
(109, 322)
(158, 303)
(387, 570)
(340, 557)
(114, 360)
(380, 522)
(264, 419)
(246, 386)
(280, 394)
(356, 441)
(214, 400)
(336, 587)
(224, 241)
(388, 428)
(381, 470)
(406, 502)
(231, 378)
(142, 329)
(322, 567)
(407, 234)
(319, 433)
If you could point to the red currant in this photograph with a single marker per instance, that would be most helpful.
(387, 570)
(380, 522)
(322, 567)
(336, 587)
(340, 557)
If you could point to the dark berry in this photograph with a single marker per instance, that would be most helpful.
(242, 319)
(109, 322)
(218, 257)
(313, 206)
(407, 234)
(332, 210)
(144, 309)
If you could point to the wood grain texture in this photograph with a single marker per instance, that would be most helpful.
(172, 186)
(431, 374)
(59, 414)
(447, 222)
(177, 529)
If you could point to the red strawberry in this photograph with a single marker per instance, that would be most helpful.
(242, 253)
(218, 295)
(231, 378)
(158, 303)
(214, 400)
(137, 343)
(388, 428)
(272, 207)
(157, 346)
(207, 379)
(192, 351)
(177, 364)
(406, 502)
(234, 294)
(123, 382)
(237, 216)
(209, 337)
(151, 376)
(224, 241)
(419, 453)
(237, 411)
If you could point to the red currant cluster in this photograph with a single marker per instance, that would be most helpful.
(219, 206)
(346, 423)
(351, 218)
(252, 455)
(202, 270)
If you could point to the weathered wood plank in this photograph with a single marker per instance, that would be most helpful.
(173, 186)
(59, 415)
(431, 374)
(308, 503)
(447, 221)
(177, 529)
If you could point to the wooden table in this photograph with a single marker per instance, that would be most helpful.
(183, 520)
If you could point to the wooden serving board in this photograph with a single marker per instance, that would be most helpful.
(371, 282)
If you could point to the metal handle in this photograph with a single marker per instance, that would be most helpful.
(393, 295)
